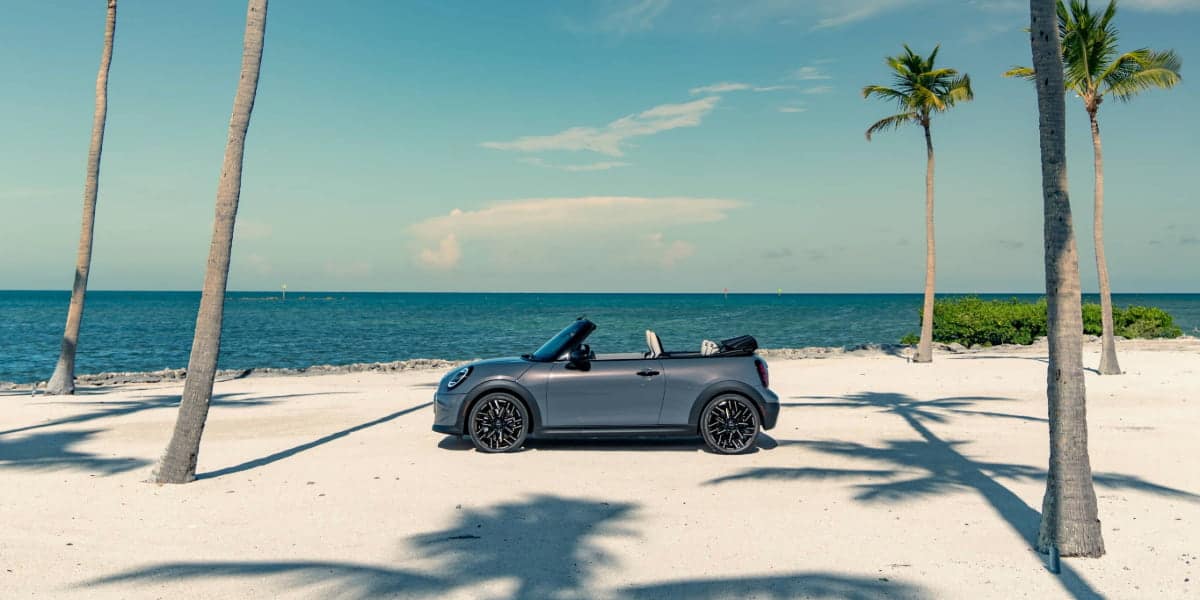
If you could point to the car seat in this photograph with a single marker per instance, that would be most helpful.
(655, 345)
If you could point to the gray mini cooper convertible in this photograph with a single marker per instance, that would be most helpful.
(565, 390)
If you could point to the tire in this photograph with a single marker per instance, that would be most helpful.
(498, 423)
(730, 424)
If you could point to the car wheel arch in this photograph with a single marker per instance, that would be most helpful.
(505, 386)
(720, 388)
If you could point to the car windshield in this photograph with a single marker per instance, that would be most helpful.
(569, 337)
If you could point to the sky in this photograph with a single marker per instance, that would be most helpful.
(593, 145)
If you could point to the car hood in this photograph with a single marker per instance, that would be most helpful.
(511, 368)
(500, 362)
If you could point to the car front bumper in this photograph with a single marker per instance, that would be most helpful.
(446, 410)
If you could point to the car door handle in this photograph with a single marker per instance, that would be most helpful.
(647, 373)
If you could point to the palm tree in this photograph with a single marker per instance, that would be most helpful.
(920, 90)
(178, 463)
(63, 379)
(1095, 71)
(1070, 522)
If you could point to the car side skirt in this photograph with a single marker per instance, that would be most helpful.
(654, 431)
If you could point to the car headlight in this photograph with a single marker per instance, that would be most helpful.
(458, 377)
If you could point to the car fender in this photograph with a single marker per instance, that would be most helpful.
(724, 387)
(508, 386)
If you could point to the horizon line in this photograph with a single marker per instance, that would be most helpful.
(593, 292)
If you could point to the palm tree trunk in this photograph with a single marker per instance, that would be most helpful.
(178, 463)
(925, 345)
(1108, 352)
(1070, 521)
(63, 379)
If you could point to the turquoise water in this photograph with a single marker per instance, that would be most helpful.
(146, 331)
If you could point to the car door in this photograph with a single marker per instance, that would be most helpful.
(611, 393)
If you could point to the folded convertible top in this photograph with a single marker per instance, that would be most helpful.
(740, 345)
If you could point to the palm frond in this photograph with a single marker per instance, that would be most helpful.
(1127, 88)
(1025, 73)
(918, 89)
(1089, 44)
(892, 122)
(959, 90)
(928, 99)
(885, 93)
(1141, 70)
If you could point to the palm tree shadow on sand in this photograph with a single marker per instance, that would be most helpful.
(940, 466)
(30, 448)
(55, 450)
(116, 408)
(321, 441)
(541, 547)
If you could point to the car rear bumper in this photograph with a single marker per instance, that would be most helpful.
(770, 409)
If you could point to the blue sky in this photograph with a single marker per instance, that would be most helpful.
(607, 145)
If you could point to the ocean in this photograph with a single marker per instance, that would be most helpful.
(147, 331)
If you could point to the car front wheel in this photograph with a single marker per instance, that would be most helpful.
(729, 424)
(498, 423)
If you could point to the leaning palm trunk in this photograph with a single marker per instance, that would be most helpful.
(1070, 521)
(178, 464)
(1108, 352)
(925, 346)
(63, 379)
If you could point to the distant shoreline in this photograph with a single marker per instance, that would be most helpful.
(298, 293)
(114, 379)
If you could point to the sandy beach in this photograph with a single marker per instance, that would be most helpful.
(883, 480)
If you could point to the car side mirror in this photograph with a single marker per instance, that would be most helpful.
(580, 359)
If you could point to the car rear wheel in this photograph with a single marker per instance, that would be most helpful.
(498, 423)
(729, 424)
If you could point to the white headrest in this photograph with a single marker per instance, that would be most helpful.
(654, 344)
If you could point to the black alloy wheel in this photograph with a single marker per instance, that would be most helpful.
(498, 423)
(730, 424)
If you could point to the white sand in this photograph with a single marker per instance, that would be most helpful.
(883, 479)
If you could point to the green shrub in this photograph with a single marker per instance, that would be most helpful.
(1091, 319)
(1144, 322)
(971, 321)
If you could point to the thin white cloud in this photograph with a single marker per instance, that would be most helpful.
(1001, 6)
(719, 88)
(610, 138)
(792, 109)
(634, 16)
(631, 17)
(818, 89)
(845, 12)
(1021, 7)
(731, 86)
(810, 73)
(774, 88)
(596, 166)
(441, 239)
(1162, 5)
